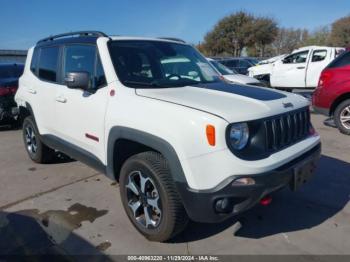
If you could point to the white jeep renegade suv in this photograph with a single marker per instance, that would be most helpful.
(155, 116)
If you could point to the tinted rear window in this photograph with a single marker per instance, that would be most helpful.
(11, 71)
(342, 60)
(48, 63)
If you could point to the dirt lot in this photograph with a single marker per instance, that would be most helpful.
(69, 208)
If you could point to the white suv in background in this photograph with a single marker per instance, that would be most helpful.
(181, 142)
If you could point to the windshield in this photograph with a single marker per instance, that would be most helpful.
(142, 63)
(224, 70)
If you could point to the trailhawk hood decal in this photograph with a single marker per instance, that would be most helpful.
(234, 103)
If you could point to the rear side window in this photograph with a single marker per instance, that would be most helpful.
(48, 64)
(340, 61)
(319, 55)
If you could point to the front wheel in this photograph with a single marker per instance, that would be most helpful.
(342, 117)
(150, 198)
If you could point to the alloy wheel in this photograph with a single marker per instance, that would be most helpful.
(143, 200)
(345, 117)
(30, 140)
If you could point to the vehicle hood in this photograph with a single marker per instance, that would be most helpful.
(232, 102)
(241, 79)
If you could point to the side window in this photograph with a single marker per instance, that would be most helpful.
(296, 58)
(48, 63)
(84, 58)
(319, 55)
(80, 58)
(34, 62)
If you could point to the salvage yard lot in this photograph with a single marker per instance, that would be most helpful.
(69, 208)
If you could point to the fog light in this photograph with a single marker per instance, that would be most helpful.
(223, 205)
(244, 181)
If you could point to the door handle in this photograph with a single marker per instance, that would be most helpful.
(32, 91)
(61, 99)
(301, 67)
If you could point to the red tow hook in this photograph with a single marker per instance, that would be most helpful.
(266, 200)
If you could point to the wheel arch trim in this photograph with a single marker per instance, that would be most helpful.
(146, 139)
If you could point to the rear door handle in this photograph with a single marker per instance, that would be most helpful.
(61, 99)
(301, 67)
(32, 91)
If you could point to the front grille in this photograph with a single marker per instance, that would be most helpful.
(287, 129)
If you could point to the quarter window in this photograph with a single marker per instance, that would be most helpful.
(34, 62)
(296, 58)
(319, 55)
(48, 63)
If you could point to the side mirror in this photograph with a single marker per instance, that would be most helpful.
(77, 80)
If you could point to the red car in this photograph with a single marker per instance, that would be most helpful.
(332, 96)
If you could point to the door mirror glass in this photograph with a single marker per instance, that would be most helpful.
(77, 80)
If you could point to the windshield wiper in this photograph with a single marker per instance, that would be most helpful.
(144, 84)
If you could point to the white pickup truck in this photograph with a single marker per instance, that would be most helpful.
(300, 69)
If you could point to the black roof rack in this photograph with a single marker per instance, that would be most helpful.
(173, 39)
(78, 33)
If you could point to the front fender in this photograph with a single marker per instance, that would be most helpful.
(149, 140)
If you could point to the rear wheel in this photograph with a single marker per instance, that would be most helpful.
(150, 198)
(36, 149)
(342, 117)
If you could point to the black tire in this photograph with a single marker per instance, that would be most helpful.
(36, 149)
(341, 111)
(173, 217)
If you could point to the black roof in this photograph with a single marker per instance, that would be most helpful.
(82, 37)
(72, 37)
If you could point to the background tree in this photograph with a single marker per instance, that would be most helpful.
(261, 36)
(265, 31)
(320, 36)
(230, 35)
(288, 39)
(340, 34)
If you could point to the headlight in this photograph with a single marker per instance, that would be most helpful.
(239, 135)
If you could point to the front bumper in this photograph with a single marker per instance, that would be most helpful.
(201, 205)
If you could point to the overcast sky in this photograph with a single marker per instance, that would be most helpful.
(23, 22)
